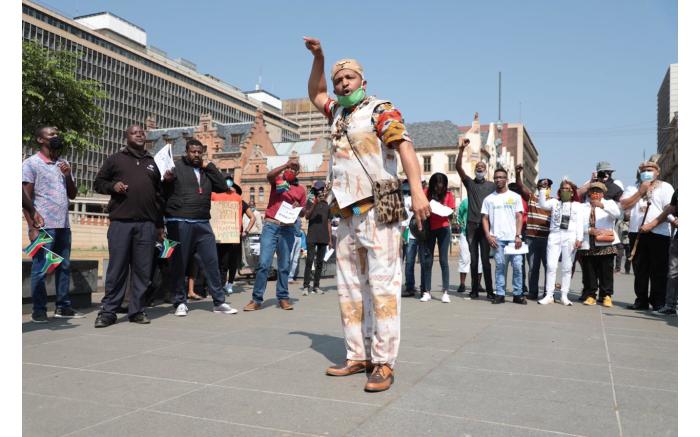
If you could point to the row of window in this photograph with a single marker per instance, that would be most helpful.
(428, 165)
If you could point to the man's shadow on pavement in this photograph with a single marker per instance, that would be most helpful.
(333, 348)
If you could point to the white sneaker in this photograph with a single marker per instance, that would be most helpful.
(565, 301)
(445, 297)
(426, 297)
(546, 300)
(228, 288)
(305, 291)
(225, 308)
(181, 310)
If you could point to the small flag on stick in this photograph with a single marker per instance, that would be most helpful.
(38, 243)
(53, 260)
(168, 248)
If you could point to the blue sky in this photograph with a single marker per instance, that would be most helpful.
(582, 76)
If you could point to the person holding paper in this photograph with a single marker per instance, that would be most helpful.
(566, 221)
(368, 138)
(278, 235)
(187, 214)
(501, 218)
(442, 204)
(598, 247)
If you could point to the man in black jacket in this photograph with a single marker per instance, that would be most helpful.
(132, 179)
(187, 214)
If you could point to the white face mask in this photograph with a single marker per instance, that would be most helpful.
(480, 174)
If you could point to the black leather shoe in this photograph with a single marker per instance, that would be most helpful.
(520, 300)
(474, 295)
(103, 321)
(140, 318)
(638, 306)
(461, 288)
(531, 297)
(490, 296)
(408, 293)
(499, 299)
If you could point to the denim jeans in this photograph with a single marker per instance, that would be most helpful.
(61, 246)
(411, 252)
(501, 261)
(280, 239)
(536, 256)
(294, 258)
(442, 237)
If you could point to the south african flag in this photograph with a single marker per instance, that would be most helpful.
(38, 243)
(53, 260)
(168, 248)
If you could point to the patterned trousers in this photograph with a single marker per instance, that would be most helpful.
(369, 287)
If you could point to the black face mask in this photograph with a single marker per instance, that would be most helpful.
(56, 143)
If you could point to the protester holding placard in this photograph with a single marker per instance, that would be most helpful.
(442, 203)
(318, 238)
(278, 233)
(187, 215)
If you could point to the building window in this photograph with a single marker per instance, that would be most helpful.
(427, 167)
(261, 194)
(451, 162)
(257, 168)
(252, 194)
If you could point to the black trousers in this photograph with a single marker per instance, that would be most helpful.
(314, 252)
(598, 275)
(194, 237)
(650, 265)
(229, 260)
(131, 246)
(479, 244)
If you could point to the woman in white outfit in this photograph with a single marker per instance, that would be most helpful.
(565, 237)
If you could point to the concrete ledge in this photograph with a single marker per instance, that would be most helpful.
(83, 282)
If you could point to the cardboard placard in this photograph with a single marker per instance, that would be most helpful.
(225, 221)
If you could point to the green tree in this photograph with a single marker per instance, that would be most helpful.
(52, 95)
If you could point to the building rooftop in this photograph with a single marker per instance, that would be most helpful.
(432, 134)
(178, 136)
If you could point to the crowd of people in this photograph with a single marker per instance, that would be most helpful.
(375, 224)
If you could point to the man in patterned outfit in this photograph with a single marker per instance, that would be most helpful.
(368, 252)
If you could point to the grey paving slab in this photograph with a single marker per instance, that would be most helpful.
(53, 416)
(464, 368)
(158, 424)
(645, 413)
(497, 398)
(280, 411)
(394, 422)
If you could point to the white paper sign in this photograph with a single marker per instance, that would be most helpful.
(287, 213)
(511, 250)
(438, 208)
(164, 160)
(329, 253)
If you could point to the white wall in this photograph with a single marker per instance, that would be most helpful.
(108, 21)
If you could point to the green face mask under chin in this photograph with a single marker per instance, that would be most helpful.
(565, 196)
(353, 99)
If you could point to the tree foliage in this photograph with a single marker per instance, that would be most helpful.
(52, 95)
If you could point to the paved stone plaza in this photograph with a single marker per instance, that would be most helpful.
(468, 368)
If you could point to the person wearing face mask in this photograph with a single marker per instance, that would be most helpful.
(564, 238)
(48, 183)
(368, 138)
(649, 246)
(187, 212)
(603, 173)
(536, 231)
(477, 189)
(598, 245)
(229, 254)
(277, 237)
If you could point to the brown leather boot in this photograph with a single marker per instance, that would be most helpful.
(350, 367)
(252, 306)
(285, 305)
(381, 378)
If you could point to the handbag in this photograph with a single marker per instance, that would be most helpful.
(388, 198)
(604, 235)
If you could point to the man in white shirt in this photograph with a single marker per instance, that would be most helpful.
(650, 262)
(501, 219)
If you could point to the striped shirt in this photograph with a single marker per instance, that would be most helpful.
(537, 220)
